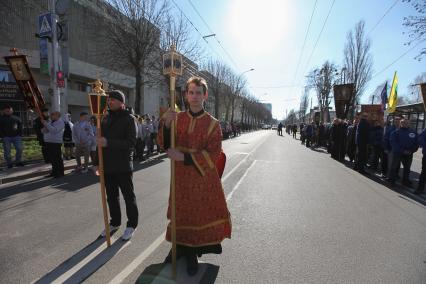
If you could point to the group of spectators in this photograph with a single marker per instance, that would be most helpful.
(62, 139)
(381, 147)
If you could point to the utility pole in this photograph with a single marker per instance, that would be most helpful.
(56, 99)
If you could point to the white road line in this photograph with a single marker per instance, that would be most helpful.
(240, 181)
(82, 263)
(146, 253)
(138, 260)
(243, 160)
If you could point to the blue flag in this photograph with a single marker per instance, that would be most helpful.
(384, 96)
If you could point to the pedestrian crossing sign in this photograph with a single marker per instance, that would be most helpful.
(45, 25)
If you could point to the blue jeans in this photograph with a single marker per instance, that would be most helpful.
(7, 146)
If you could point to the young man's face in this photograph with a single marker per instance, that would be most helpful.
(195, 95)
(114, 104)
(83, 117)
(8, 111)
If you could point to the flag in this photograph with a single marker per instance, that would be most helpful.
(393, 95)
(384, 96)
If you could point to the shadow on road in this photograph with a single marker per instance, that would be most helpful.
(96, 254)
(160, 273)
(70, 182)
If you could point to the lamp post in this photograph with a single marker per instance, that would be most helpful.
(98, 104)
(172, 66)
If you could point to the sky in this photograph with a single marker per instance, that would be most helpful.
(268, 36)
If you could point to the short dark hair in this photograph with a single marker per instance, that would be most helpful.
(198, 81)
(83, 113)
(7, 107)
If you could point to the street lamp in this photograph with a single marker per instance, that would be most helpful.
(172, 66)
(98, 105)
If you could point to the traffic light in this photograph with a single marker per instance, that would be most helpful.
(60, 80)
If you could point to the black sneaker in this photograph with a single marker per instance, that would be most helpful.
(10, 166)
(20, 164)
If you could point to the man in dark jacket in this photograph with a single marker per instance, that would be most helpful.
(118, 141)
(361, 140)
(38, 126)
(421, 140)
(387, 153)
(11, 133)
(404, 143)
(376, 137)
(350, 140)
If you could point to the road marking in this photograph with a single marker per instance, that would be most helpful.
(146, 253)
(243, 160)
(240, 181)
(138, 260)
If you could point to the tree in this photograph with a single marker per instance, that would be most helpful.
(322, 80)
(304, 104)
(216, 73)
(357, 61)
(417, 25)
(132, 31)
(414, 93)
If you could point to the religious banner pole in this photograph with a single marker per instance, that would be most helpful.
(172, 66)
(98, 104)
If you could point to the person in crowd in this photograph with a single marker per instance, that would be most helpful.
(361, 140)
(11, 134)
(294, 130)
(302, 133)
(53, 132)
(336, 139)
(421, 140)
(154, 134)
(389, 129)
(147, 130)
(403, 145)
(93, 146)
(68, 143)
(310, 132)
(118, 140)
(38, 126)
(351, 140)
(82, 135)
(375, 140)
(140, 142)
(280, 129)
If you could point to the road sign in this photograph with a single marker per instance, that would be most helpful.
(45, 25)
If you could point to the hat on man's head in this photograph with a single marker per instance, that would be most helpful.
(118, 95)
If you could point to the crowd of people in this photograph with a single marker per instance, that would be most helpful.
(376, 145)
(61, 139)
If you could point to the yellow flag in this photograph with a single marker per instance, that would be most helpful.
(393, 96)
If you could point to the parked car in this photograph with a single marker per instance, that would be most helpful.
(274, 127)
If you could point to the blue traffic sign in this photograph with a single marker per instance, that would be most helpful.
(45, 25)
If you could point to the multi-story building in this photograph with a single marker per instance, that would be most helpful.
(82, 56)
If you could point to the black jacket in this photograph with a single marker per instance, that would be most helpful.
(10, 126)
(38, 126)
(119, 129)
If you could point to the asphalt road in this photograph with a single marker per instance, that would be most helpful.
(298, 217)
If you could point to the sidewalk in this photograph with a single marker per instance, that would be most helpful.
(30, 170)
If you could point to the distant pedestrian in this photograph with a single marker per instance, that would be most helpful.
(422, 143)
(361, 140)
(404, 144)
(68, 143)
(11, 133)
(83, 137)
